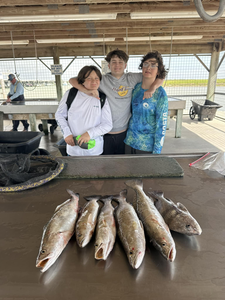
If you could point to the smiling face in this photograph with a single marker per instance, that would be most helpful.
(150, 68)
(117, 66)
(92, 81)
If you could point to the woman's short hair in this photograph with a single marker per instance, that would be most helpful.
(161, 68)
(119, 53)
(86, 71)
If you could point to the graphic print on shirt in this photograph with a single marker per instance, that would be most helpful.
(122, 90)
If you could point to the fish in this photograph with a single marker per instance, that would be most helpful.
(130, 230)
(105, 230)
(176, 216)
(57, 232)
(86, 223)
(153, 222)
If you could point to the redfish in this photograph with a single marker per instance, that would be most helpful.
(130, 230)
(86, 223)
(154, 224)
(105, 230)
(176, 216)
(58, 232)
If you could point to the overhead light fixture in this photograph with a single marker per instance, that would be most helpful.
(84, 40)
(168, 15)
(160, 38)
(23, 42)
(55, 18)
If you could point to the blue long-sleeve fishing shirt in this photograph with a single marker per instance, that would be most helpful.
(147, 125)
(16, 90)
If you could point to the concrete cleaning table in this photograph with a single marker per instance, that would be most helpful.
(45, 110)
(197, 272)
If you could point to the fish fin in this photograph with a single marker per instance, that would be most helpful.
(72, 194)
(106, 198)
(156, 194)
(169, 200)
(120, 196)
(182, 207)
(134, 182)
(61, 205)
(123, 193)
(94, 197)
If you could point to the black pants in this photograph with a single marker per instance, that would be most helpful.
(16, 124)
(114, 143)
(131, 150)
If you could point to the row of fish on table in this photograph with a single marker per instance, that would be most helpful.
(153, 214)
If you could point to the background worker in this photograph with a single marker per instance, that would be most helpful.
(16, 93)
(118, 87)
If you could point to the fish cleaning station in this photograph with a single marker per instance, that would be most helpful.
(106, 227)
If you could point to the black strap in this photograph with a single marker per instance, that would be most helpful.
(73, 92)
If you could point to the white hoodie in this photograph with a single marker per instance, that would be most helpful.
(85, 114)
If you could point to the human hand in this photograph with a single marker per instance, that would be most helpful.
(84, 138)
(69, 140)
(93, 93)
(8, 100)
(149, 92)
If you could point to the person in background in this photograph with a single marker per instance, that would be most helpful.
(118, 87)
(147, 125)
(85, 122)
(16, 93)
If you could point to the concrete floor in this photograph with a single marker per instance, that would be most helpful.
(197, 137)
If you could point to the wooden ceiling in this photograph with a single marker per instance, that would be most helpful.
(213, 34)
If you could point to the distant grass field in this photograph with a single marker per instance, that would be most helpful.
(192, 82)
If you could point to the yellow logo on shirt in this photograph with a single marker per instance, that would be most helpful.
(122, 91)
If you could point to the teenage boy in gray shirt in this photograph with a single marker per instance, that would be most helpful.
(118, 87)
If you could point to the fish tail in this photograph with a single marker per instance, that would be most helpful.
(106, 198)
(156, 194)
(134, 182)
(94, 197)
(72, 194)
(121, 196)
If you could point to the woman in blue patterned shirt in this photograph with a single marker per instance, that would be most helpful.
(147, 125)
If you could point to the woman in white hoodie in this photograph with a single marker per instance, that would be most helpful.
(85, 122)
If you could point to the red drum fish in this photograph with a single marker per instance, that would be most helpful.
(105, 230)
(58, 232)
(130, 230)
(86, 223)
(176, 216)
(154, 223)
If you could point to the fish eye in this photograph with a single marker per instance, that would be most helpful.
(42, 251)
(163, 244)
(79, 234)
(188, 226)
(96, 245)
(131, 252)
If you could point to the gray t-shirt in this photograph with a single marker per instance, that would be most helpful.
(119, 93)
